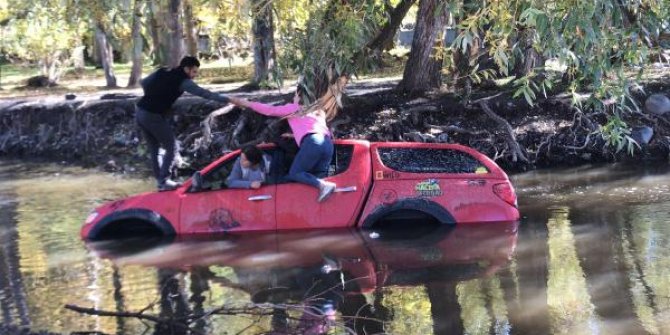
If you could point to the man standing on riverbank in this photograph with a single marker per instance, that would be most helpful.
(161, 89)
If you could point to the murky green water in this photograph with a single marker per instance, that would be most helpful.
(591, 256)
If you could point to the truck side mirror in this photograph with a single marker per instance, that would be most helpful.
(196, 182)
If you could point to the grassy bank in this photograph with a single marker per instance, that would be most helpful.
(13, 77)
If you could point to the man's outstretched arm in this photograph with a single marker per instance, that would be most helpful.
(190, 86)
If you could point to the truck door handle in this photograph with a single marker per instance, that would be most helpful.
(346, 189)
(260, 197)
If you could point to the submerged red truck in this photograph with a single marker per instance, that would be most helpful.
(378, 184)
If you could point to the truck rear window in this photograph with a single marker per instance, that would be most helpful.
(427, 160)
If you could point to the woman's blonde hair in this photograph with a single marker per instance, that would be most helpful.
(329, 103)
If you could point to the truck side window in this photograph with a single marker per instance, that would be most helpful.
(427, 160)
(216, 179)
(341, 159)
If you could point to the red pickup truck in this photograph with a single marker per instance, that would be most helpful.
(379, 184)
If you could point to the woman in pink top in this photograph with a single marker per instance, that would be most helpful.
(310, 129)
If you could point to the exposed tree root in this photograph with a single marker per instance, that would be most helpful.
(209, 122)
(456, 129)
(512, 144)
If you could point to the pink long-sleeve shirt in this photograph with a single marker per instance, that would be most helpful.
(300, 125)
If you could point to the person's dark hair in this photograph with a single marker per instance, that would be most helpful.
(253, 154)
(189, 61)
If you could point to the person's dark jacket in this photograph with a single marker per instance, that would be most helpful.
(163, 87)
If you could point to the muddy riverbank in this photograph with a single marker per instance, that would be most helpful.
(101, 132)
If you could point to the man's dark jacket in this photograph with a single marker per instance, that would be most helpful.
(162, 89)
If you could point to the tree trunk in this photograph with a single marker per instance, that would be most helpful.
(155, 27)
(189, 25)
(54, 67)
(95, 52)
(444, 308)
(423, 70)
(173, 302)
(384, 39)
(175, 33)
(2, 53)
(119, 296)
(531, 58)
(462, 61)
(526, 284)
(106, 57)
(199, 291)
(78, 58)
(15, 310)
(629, 17)
(360, 315)
(463, 58)
(110, 50)
(611, 296)
(264, 43)
(136, 71)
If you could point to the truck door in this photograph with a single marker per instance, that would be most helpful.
(217, 208)
(296, 204)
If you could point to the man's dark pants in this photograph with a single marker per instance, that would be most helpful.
(158, 133)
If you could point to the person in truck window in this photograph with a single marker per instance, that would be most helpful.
(161, 90)
(250, 169)
(311, 133)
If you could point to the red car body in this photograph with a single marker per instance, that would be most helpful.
(446, 182)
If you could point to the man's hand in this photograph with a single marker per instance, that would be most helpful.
(238, 102)
(255, 185)
(224, 99)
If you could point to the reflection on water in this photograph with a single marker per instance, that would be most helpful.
(591, 256)
(568, 299)
(332, 269)
(44, 265)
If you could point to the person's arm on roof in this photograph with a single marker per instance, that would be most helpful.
(190, 86)
(265, 109)
(235, 179)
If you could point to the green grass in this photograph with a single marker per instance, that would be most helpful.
(14, 78)
(12, 74)
(91, 79)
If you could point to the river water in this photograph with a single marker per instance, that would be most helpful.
(590, 256)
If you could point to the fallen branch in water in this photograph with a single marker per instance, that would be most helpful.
(138, 315)
(265, 309)
(298, 317)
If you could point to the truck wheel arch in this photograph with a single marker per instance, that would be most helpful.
(145, 217)
(422, 205)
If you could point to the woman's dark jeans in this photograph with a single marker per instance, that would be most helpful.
(313, 159)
